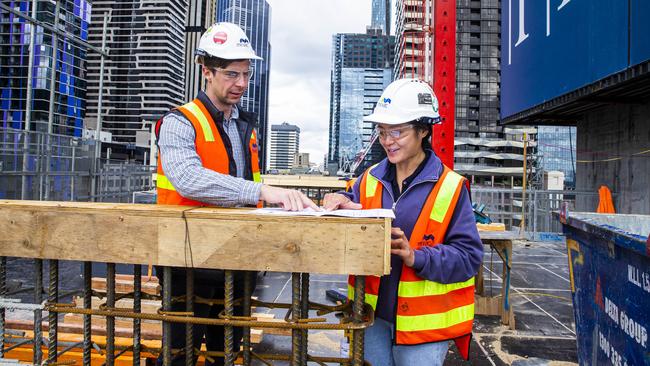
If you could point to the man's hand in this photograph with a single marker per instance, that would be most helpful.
(333, 201)
(289, 199)
(399, 245)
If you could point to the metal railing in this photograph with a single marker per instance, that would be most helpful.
(41, 166)
(505, 205)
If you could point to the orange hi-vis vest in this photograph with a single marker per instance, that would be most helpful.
(426, 311)
(211, 150)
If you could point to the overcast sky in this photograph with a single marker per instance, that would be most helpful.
(301, 47)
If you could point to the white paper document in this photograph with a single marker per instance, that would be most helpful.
(377, 212)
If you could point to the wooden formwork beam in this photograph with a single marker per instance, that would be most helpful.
(202, 237)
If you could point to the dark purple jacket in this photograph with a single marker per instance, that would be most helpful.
(455, 260)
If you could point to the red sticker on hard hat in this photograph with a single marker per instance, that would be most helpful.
(220, 37)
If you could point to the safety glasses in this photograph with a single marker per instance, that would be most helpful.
(232, 75)
(395, 133)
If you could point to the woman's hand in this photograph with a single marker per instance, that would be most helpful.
(333, 201)
(399, 245)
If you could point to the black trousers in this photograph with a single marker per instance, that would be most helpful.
(208, 284)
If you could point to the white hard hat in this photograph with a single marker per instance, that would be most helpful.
(406, 100)
(226, 41)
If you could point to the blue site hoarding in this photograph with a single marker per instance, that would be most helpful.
(552, 47)
(609, 263)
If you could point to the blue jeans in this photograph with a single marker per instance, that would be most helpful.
(379, 349)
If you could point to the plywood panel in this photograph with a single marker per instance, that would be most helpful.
(201, 237)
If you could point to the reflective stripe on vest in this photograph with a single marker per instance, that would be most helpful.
(445, 195)
(436, 321)
(193, 108)
(369, 299)
(371, 183)
(430, 288)
(164, 183)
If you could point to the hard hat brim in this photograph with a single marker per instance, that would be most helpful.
(394, 120)
(234, 56)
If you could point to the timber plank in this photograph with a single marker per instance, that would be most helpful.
(218, 238)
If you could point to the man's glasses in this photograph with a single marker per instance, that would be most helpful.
(232, 75)
(395, 133)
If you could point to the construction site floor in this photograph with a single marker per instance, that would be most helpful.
(544, 331)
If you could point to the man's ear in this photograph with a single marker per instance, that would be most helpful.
(207, 73)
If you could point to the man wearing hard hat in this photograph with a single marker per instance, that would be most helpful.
(208, 155)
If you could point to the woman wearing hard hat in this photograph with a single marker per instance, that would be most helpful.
(428, 298)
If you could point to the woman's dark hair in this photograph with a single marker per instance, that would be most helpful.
(426, 141)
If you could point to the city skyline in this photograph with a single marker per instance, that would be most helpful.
(300, 83)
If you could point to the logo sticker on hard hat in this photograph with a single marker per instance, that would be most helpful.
(424, 98)
(220, 37)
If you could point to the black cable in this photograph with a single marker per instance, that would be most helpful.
(188, 242)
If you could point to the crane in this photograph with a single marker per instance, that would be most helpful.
(350, 166)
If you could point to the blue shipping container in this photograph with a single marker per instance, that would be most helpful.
(609, 266)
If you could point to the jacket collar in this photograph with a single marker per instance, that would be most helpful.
(431, 171)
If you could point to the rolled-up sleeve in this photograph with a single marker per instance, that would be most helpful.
(184, 169)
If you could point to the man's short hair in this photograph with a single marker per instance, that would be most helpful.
(214, 62)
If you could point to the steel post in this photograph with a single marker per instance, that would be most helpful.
(110, 320)
(296, 334)
(87, 327)
(229, 310)
(53, 298)
(28, 102)
(189, 308)
(304, 313)
(137, 308)
(98, 128)
(167, 306)
(357, 317)
(38, 314)
(3, 291)
(50, 116)
(248, 292)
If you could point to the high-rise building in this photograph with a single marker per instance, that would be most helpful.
(556, 148)
(301, 160)
(144, 75)
(254, 17)
(69, 101)
(285, 142)
(483, 150)
(361, 69)
(200, 16)
(381, 15)
(413, 40)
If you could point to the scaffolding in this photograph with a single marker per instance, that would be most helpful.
(48, 155)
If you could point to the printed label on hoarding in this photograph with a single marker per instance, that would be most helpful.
(638, 278)
(627, 323)
(610, 352)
